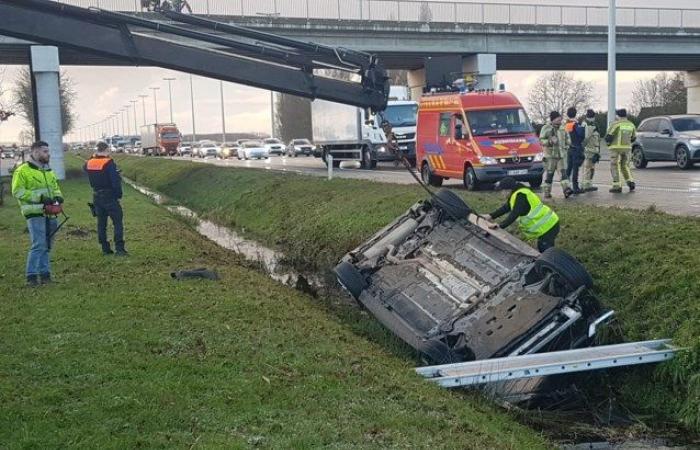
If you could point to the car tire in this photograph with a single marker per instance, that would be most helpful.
(683, 158)
(350, 278)
(437, 352)
(428, 177)
(471, 183)
(570, 272)
(452, 204)
(535, 183)
(639, 161)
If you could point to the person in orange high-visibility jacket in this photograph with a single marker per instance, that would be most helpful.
(107, 191)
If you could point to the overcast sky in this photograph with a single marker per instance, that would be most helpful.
(102, 91)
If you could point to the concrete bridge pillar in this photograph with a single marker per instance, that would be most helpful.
(484, 65)
(416, 82)
(47, 103)
(692, 83)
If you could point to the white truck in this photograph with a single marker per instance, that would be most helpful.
(347, 133)
(352, 134)
(401, 112)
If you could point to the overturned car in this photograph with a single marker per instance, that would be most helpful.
(455, 290)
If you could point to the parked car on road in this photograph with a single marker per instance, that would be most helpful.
(253, 150)
(668, 138)
(298, 147)
(274, 146)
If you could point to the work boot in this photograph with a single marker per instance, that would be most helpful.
(615, 190)
(578, 191)
(45, 278)
(122, 252)
(591, 189)
(631, 185)
(32, 280)
(568, 192)
(107, 251)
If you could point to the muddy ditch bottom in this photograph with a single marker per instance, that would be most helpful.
(573, 425)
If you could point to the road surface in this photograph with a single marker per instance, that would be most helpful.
(662, 185)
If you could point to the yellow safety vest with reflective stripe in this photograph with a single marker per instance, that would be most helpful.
(29, 183)
(539, 220)
(623, 133)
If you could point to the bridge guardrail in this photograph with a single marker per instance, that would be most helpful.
(427, 12)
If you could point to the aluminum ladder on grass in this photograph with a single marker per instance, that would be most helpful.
(551, 363)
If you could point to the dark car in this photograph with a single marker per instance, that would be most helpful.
(298, 147)
(455, 290)
(668, 138)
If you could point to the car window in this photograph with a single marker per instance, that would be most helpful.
(686, 124)
(664, 124)
(445, 121)
(651, 125)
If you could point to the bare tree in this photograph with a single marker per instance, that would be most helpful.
(665, 91)
(557, 91)
(24, 99)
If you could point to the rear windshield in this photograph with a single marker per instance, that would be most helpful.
(686, 124)
(272, 141)
(499, 121)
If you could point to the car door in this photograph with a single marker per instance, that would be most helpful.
(667, 140)
(648, 134)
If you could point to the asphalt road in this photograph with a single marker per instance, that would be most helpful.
(662, 185)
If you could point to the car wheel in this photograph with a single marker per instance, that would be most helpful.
(471, 183)
(437, 352)
(535, 183)
(428, 177)
(638, 159)
(350, 278)
(452, 204)
(569, 273)
(683, 158)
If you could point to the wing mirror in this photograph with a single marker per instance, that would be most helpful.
(667, 132)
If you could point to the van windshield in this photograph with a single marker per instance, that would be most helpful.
(499, 121)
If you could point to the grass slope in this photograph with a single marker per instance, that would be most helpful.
(646, 264)
(118, 355)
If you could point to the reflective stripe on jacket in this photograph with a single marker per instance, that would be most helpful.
(29, 183)
(623, 133)
(539, 220)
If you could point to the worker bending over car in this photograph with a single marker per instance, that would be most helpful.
(535, 219)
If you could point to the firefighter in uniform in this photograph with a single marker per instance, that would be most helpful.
(107, 191)
(591, 145)
(555, 141)
(620, 136)
(35, 187)
(535, 219)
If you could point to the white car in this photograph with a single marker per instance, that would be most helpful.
(253, 150)
(209, 151)
(274, 146)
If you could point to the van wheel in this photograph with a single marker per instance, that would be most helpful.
(471, 183)
(428, 177)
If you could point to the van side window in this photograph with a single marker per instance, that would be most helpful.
(445, 123)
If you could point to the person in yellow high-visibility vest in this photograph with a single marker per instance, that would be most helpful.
(620, 136)
(535, 219)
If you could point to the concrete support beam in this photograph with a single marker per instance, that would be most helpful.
(484, 65)
(416, 82)
(45, 69)
(692, 83)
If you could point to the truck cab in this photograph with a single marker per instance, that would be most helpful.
(401, 114)
(479, 137)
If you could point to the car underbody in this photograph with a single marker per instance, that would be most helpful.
(455, 290)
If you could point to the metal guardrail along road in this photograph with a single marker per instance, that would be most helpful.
(416, 11)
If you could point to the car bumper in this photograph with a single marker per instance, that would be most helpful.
(520, 172)
(257, 154)
(276, 151)
(303, 151)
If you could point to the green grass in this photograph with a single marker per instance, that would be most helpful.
(645, 263)
(118, 355)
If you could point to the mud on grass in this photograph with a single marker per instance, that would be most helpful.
(645, 263)
(118, 355)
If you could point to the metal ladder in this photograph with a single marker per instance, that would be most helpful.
(551, 363)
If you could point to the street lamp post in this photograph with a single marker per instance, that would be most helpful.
(223, 114)
(611, 61)
(155, 102)
(136, 127)
(128, 118)
(170, 95)
(124, 122)
(194, 129)
(143, 103)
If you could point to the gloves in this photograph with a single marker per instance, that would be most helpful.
(46, 200)
(595, 158)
